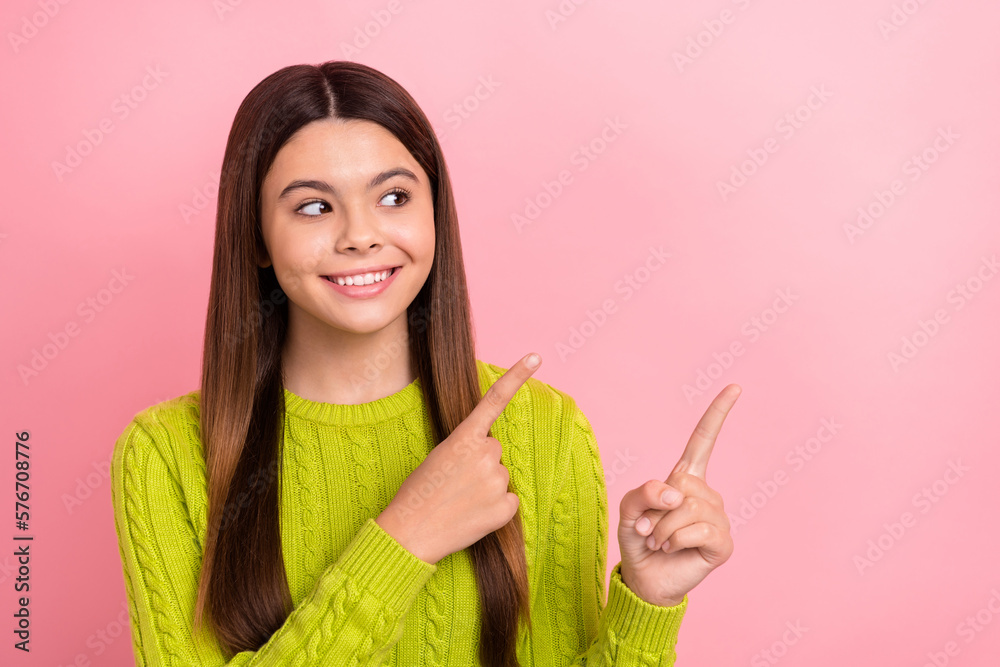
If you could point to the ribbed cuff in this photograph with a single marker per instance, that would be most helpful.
(376, 562)
(639, 625)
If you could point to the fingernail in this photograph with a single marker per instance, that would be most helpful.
(666, 545)
(651, 543)
(532, 361)
(642, 525)
(669, 497)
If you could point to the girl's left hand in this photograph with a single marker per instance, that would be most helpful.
(669, 547)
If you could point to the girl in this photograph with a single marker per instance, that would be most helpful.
(350, 485)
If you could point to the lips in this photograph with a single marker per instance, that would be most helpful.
(367, 290)
(361, 270)
(389, 272)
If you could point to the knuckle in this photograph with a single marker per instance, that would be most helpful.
(506, 511)
(498, 486)
(703, 431)
(682, 482)
(487, 470)
(629, 499)
(493, 397)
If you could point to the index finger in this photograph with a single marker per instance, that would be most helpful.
(500, 393)
(694, 460)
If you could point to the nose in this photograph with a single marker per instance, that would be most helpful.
(360, 231)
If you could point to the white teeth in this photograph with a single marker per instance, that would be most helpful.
(363, 279)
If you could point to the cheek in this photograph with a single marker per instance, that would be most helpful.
(296, 259)
(416, 237)
(310, 253)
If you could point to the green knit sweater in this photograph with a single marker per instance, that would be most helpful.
(360, 597)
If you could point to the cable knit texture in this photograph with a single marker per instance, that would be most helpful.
(360, 597)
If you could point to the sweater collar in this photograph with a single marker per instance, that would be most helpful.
(405, 400)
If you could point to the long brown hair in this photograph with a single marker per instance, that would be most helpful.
(245, 592)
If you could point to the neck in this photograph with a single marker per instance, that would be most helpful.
(329, 365)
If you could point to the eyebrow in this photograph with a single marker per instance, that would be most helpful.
(323, 186)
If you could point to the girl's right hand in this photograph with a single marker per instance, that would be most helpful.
(458, 494)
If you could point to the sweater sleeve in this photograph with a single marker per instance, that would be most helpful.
(629, 631)
(353, 615)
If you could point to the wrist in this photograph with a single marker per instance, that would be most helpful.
(656, 600)
(668, 602)
(394, 527)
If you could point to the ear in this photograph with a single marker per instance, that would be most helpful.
(263, 260)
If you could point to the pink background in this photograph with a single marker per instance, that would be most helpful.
(141, 202)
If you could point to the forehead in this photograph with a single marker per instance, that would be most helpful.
(344, 150)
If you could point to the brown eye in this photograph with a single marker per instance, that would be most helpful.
(394, 198)
(309, 208)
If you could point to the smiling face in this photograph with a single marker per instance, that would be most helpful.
(345, 198)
